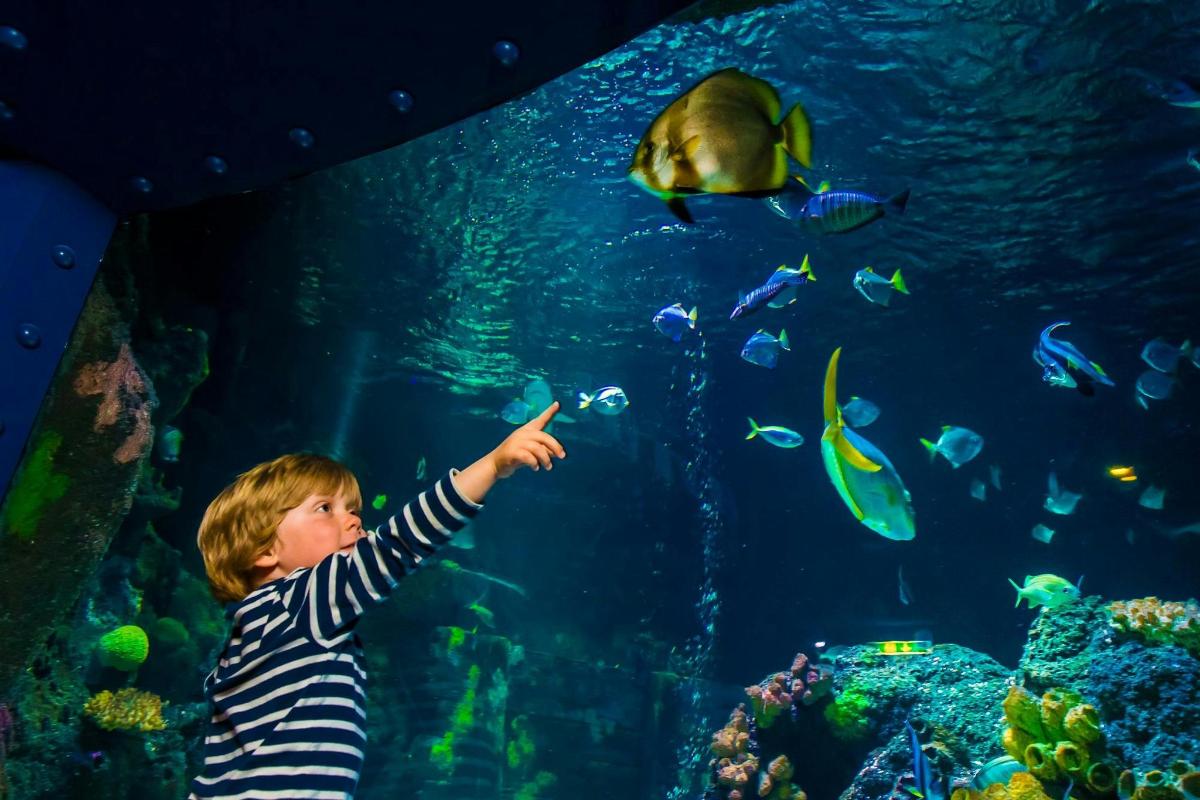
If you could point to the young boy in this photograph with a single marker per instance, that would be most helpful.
(285, 543)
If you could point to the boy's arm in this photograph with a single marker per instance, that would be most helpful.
(342, 586)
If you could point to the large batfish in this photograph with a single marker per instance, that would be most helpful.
(722, 136)
(862, 474)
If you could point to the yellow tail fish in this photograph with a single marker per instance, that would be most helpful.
(863, 476)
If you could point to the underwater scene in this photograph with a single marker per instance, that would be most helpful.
(871, 328)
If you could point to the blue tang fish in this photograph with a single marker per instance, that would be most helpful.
(763, 349)
(926, 786)
(778, 291)
(776, 435)
(673, 322)
(864, 477)
(609, 400)
(1062, 362)
(829, 211)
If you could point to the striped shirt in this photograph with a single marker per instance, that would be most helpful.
(288, 692)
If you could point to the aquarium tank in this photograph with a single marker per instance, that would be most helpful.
(830, 371)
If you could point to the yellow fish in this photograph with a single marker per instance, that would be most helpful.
(864, 477)
(721, 137)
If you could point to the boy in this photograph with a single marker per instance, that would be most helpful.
(286, 544)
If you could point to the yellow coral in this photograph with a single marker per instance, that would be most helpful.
(1023, 786)
(127, 710)
(1159, 621)
(1039, 759)
(1071, 758)
(1015, 741)
(1082, 723)
(1022, 710)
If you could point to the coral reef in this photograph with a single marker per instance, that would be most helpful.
(124, 648)
(1180, 782)
(804, 684)
(1020, 786)
(122, 388)
(1057, 737)
(1159, 621)
(126, 710)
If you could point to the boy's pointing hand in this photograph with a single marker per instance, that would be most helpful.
(529, 445)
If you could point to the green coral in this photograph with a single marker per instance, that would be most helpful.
(520, 747)
(534, 788)
(124, 648)
(847, 714)
(461, 720)
(35, 486)
(456, 639)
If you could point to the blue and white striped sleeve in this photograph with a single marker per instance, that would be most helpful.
(344, 585)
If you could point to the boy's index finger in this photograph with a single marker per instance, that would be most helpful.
(543, 419)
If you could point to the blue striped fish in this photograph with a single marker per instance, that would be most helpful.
(772, 292)
(833, 211)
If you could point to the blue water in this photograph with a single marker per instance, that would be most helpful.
(404, 299)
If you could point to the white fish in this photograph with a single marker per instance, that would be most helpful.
(1152, 498)
(1060, 500)
(1165, 357)
(994, 472)
(905, 591)
(859, 412)
(876, 288)
(978, 490)
(1155, 385)
(421, 468)
(1042, 533)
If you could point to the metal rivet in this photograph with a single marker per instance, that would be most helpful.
(141, 184)
(506, 52)
(6, 112)
(12, 37)
(63, 256)
(29, 336)
(401, 100)
(216, 165)
(302, 138)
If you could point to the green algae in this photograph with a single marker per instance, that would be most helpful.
(847, 714)
(461, 720)
(35, 487)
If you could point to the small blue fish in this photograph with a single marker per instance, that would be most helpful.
(609, 400)
(957, 445)
(926, 785)
(827, 211)
(859, 413)
(673, 322)
(878, 289)
(1061, 361)
(763, 349)
(777, 292)
(776, 435)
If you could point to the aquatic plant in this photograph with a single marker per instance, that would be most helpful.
(1159, 621)
(461, 720)
(124, 648)
(127, 710)
(35, 486)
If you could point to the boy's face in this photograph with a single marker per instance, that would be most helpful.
(321, 525)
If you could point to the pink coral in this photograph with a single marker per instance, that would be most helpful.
(734, 737)
(123, 388)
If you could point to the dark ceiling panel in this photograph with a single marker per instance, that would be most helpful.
(110, 92)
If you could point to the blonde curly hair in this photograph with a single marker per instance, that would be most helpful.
(241, 522)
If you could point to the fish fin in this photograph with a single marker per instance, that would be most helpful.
(945, 428)
(797, 135)
(585, 400)
(687, 150)
(1020, 596)
(856, 459)
(830, 406)
(806, 270)
(899, 201)
(1098, 368)
(898, 282)
(753, 429)
(832, 434)
(869, 269)
(692, 317)
(799, 179)
(824, 186)
(931, 447)
(680, 210)
(783, 340)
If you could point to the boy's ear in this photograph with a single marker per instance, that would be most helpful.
(267, 560)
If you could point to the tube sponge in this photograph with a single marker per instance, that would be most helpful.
(124, 648)
(1082, 724)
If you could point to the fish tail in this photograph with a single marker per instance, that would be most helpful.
(783, 341)
(806, 270)
(1020, 595)
(692, 317)
(585, 400)
(898, 202)
(931, 447)
(898, 282)
(753, 428)
(797, 135)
